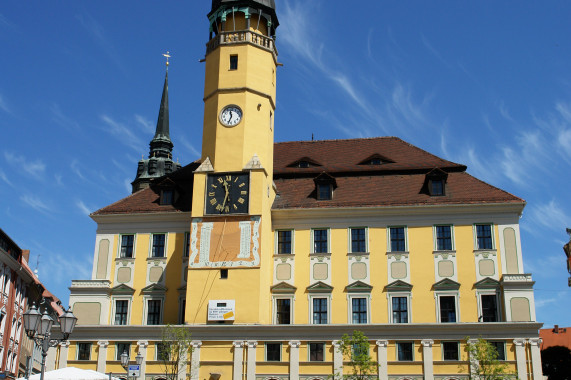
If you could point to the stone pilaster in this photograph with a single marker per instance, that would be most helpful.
(238, 360)
(63, 352)
(142, 348)
(382, 359)
(102, 355)
(337, 360)
(474, 364)
(182, 365)
(427, 360)
(251, 364)
(520, 359)
(536, 369)
(195, 360)
(294, 359)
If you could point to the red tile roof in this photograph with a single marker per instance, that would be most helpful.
(402, 181)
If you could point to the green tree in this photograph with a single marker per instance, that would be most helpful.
(355, 348)
(484, 362)
(173, 349)
(556, 362)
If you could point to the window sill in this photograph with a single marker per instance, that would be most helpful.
(493, 250)
(126, 259)
(313, 254)
(283, 255)
(157, 258)
(444, 252)
(358, 254)
(398, 252)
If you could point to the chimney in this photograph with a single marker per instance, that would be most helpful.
(556, 329)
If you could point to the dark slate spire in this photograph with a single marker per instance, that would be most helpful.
(160, 160)
(161, 144)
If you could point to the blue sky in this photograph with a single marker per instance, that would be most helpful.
(484, 83)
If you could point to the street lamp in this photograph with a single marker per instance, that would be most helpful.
(38, 328)
(125, 360)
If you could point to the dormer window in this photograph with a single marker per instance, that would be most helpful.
(167, 197)
(324, 186)
(376, 159)
(436, 187)
(435, 183)
(324, 191)
(304, 162)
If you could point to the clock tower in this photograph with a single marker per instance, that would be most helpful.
(230, 242)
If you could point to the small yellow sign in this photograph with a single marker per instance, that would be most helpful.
(228, 315)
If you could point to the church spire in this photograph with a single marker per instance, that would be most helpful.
(160, 160)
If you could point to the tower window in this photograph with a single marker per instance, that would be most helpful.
(223, 274)
(233, 62)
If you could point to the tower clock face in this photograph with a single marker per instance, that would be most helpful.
(227, 193)
(231, 115)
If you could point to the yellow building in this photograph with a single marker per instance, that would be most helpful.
(269, 252)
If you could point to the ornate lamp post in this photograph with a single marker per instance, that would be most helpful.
(38, 328)
(125, 360)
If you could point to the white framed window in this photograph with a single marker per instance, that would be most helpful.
(284, 242)
(158, 245)
(447, 309)
(359, 308)
(405, 351)
(358, 240)
(488, 306)
(316, 351)
(121, 347)
(484, 236)
(84, 351)
(450, 350)
(161, 352)
(283, 310)
(273, 352)
(399, 308)
(320, 238)
(500, 347)
(397, 239)
(153, 310)
(444, 237)
(121, 310)
(126, 248)
(320, 311)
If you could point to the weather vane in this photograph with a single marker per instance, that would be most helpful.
(167, 55)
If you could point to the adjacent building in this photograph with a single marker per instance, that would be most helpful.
(269, 252)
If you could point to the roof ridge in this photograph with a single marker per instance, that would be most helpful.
(329, 140)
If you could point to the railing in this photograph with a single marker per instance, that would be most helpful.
(90, 283)
(523, 277)
(242, 36)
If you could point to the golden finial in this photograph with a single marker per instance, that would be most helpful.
(167, 55)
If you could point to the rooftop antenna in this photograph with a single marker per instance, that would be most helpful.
(312, 137)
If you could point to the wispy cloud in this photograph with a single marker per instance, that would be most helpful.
(75, 168)
(145, 123)
(504, 111)
(5, 23)
(35, 202)
(3, 105)
(61, 119)
(550, 215)
(99, 36)
(82, 207)
(433, 51)
(4, 178)
(35, 168)
(123, 133)
(189, 147)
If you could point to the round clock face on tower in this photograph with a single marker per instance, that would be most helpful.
(231, 115)
(227, 193)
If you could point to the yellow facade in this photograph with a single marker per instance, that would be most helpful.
(209, 259)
